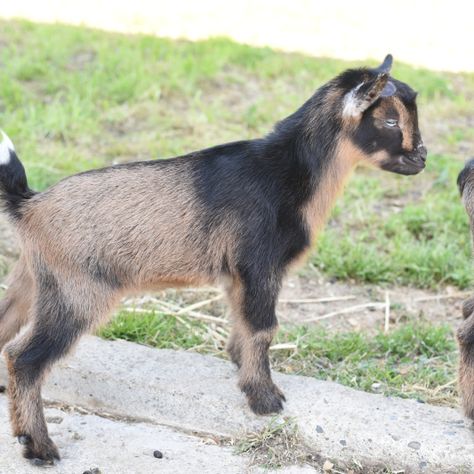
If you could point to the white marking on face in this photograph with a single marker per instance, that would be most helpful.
(6, 146)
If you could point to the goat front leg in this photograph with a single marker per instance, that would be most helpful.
(255, 324)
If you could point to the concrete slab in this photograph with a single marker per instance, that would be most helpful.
(196, 392)
(88, 442)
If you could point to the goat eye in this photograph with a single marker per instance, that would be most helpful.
(391, 123)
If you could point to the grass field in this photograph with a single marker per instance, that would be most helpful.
(74, 99)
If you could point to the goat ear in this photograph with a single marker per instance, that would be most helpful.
(386, 66)
(361, 97)
(388, 90)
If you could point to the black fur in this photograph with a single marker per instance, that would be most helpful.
(14, 188)
(46, 344)
(264, 183)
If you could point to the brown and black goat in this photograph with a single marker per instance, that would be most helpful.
(466, 330)
(239, 214)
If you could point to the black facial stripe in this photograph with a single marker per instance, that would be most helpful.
(371, 138)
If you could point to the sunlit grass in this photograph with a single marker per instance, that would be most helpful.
(75, 98)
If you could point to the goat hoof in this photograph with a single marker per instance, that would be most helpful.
(266, 400)
(41, 453)
(41, 462)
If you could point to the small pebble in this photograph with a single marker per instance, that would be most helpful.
(414, 445)
(319, 429)
(376, 386)
(54, 419)
(328, 466)
(157, 454)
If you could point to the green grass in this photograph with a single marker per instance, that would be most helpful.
(413, 361)
(159, 330)
(423, 242)
(74, 98)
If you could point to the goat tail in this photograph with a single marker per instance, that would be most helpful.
(14, 190)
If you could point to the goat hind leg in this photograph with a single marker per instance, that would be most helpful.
(28, 360)
(15, 307)
(58, 322)
(237, 335)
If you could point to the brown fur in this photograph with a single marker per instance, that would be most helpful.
(468, 307)
(465, 336)
(405, 121)
(465, 333)
(15, 308)
(129, 226)
(316, 212)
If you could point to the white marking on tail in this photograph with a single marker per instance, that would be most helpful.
(6, 146)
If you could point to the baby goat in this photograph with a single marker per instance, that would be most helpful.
(239, 214)
(465, 333)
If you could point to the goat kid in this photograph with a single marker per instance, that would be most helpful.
(465, 333)
(240, 213)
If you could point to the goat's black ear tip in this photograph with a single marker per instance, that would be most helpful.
(387, 62)
(385, 67)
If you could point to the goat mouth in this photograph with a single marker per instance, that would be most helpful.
(410, 165)
(405, 165)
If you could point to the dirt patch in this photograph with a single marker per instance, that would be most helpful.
(365, 306)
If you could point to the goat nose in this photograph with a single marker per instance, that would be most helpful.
(422, 151)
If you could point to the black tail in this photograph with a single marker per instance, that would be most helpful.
(14, 190)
